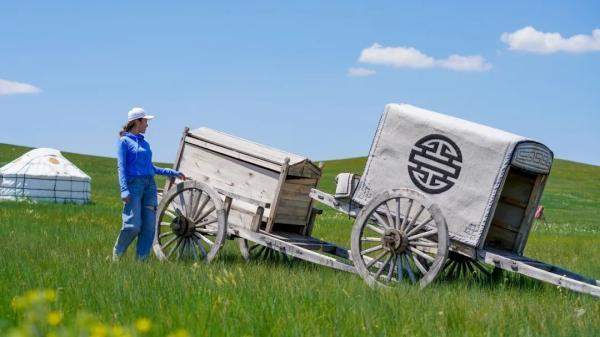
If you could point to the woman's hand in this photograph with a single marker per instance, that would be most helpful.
(182, 176)
(126, 200)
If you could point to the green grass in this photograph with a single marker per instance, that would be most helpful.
(67, 247)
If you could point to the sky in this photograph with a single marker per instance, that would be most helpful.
(309, 77)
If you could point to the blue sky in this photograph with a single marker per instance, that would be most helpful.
(278, 72)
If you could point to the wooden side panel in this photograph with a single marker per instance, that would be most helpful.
(295, 202)
(512, 211)
(228, 173)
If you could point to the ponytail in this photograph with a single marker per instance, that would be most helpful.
(127, 127)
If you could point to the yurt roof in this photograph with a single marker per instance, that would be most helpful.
(43, 162)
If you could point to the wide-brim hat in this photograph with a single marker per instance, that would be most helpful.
(137, 113)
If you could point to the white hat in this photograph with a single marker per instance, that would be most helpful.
(137, 113)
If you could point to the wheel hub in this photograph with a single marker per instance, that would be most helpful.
(182, 226)
(394, 240)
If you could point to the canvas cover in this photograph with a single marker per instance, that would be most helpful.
(44, 175)
(457, 163)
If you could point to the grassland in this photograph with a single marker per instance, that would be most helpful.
(67, 247)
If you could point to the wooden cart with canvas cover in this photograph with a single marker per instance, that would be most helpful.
(438, 194)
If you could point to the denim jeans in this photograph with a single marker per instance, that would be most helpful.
(139, 216)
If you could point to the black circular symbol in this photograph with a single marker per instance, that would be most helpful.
(434, 163)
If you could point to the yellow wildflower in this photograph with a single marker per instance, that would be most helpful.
(54, 317)
(179, 333)
(98, 330)
(32, 296)
(50, 295)
(17, 303)
(143, 325)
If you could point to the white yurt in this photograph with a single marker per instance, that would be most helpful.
(44, 175)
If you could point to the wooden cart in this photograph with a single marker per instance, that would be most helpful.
(438, 195)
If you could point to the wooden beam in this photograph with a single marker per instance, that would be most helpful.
(280, 183)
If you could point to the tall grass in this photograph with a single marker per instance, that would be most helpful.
(67, 247)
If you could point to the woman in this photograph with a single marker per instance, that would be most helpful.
(138, 189)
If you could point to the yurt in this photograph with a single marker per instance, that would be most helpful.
(44, 175)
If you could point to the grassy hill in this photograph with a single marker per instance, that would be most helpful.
(67, 247)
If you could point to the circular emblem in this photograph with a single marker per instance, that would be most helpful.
(434, 163)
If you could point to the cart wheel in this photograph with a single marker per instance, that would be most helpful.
(191, 225)
(254, 252)
(460, 266)
(399, 236)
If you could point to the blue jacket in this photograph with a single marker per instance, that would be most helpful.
(134, 159)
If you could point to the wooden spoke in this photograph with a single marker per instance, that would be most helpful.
(206, 231)
(387, 260)
(419, 243)
(423, 235)
(391, 269)
(408, 269)
(414, 219)
(419, 265)
(372, 262)
(166, 234)
(419, 226)
(399, 270)
(182, 202)
(397, 223)
(169, 242)
(370, 239)
(203, 238)
(202, 203)
(372, 249)
(375, 229)
(204, 215)
(421, 254)
(380, 220)
(170, 214)
(200, 246)
(407, 215)
(207, 221)
(388, 214)
(175, 247)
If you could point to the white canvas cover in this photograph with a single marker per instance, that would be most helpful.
(457, 163)
(44, 175)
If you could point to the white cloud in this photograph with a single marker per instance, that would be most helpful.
(15, 88)
(464, 63)
(360, 72)
(409, 57)
(528, 39)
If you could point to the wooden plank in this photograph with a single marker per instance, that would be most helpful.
(280, 183)
(302, 181)
(513, 202)
(257, 219)
(169, 181)
(300, 204)
(243, 198)
(339, 205)
(245, 146)
(235, 154)
(229, 174)
(269, 241)
(293, 196)
(504, 261)
(304, 169)
(311, 215)
(296, 221)
(534, 201)
(291, 212)
(292, 188)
